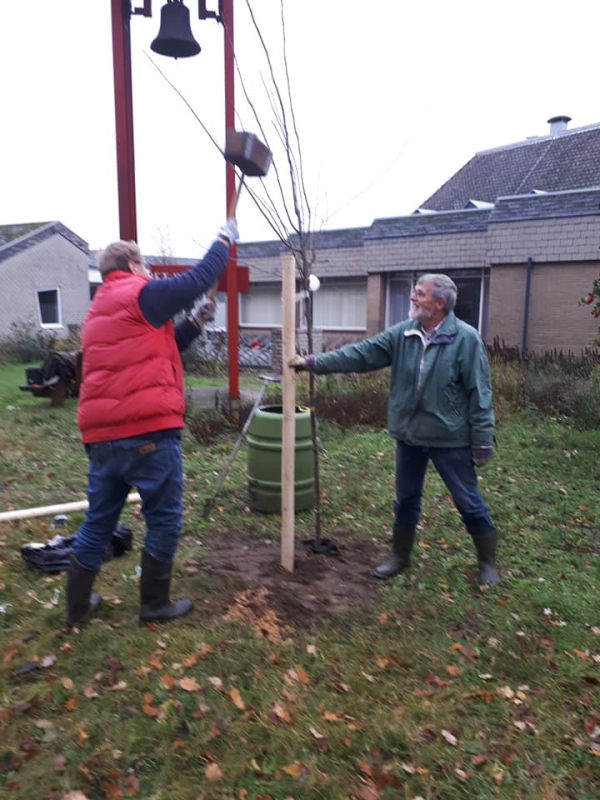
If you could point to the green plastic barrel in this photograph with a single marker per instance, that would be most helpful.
(264, 460)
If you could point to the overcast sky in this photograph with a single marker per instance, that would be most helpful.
(391, 99)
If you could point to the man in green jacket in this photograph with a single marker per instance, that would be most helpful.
(439, 408)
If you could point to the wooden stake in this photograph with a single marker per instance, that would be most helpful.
(288, 434)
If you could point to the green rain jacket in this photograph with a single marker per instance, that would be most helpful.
(440, 393)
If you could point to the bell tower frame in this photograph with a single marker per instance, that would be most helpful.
(122, 11)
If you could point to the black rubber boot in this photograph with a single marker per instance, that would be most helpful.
(485, 545)
(81, 601)
(402, 544)
(155, 605)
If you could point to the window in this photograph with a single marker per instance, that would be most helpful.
(468, 300)
(261, 306)
(341, 305)
(471, 304)
(49, 306)
(399, 291)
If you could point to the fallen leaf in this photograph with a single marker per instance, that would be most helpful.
(316, 733)
(118, 687)
(10, 653)
(478, 760)
(505, 691)
(311, 650)
(168, 681)
(216, 682)
(71, 704)
(302, 676)
(236, 699)
(369, 793)
(213, 772)
(189, 685)
(68, 684)
(453, 670)
(368, 677)
(449, 737)
(59, 763)
(76, 795)
(155, 661)
(296, 770)
(280, 712)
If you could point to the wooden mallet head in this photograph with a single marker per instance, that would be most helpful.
(249, 155)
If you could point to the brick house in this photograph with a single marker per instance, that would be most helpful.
(43, 277)
(517, 228)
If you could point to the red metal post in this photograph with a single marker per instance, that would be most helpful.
(232, 288)
(124, 118)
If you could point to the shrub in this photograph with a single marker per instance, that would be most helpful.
(25, 342)
(207, 424)
(552, 383)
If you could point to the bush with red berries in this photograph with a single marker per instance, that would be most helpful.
(593, 299)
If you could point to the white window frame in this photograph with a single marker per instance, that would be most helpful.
(50, 325)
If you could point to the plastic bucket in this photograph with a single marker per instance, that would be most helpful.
(264, 460)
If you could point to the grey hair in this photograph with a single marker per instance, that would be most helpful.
(443, 287)
(117, 256)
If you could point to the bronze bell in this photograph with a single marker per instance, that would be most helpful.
(175, 36)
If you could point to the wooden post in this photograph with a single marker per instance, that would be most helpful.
(288, 434)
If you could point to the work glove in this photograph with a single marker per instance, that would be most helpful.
(302, 363)
(205, 311)
(481, 454)
(229, 231)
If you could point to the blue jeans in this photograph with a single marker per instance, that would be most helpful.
(456, 469)
(154, 468)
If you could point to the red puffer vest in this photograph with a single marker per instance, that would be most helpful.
(132, 373)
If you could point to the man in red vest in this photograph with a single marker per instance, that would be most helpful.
(131, 407)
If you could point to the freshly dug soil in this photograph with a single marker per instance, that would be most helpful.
(249, 584)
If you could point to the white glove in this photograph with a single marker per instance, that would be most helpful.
(298, 363)
(205, 311)
(229, 231)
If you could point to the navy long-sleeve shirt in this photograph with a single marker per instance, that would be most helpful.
(161, 299)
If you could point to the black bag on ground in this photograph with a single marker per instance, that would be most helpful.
(53, 557)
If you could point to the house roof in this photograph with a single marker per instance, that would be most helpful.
(574, 203)
(16, 238)
(322, 240)
(473, 219)
(569, 159)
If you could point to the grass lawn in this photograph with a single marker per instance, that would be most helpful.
(425, 687)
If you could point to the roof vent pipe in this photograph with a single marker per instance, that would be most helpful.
(558, 124)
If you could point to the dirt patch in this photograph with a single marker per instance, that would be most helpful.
(250, 584)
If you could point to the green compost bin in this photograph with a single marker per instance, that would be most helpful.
(264, 460)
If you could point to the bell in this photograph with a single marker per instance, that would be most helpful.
(175, 36)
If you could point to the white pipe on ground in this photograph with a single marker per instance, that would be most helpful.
(61, 508)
